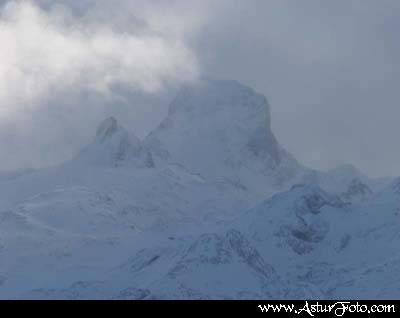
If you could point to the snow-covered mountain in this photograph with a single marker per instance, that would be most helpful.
(357, 191)
(113, 146)
(208, 206)
(222, 131)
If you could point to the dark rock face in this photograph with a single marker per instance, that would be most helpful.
(113, 146)
(357, 190)
(314, 199)
(220, 251)
(107, 128)
(133, 294)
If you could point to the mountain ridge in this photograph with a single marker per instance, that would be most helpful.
(208, 206)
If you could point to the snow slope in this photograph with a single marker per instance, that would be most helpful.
(206, 207)
(222, 131)
(113, 146)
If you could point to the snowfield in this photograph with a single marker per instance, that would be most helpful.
(208, 206)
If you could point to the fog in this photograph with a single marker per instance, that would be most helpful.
(330, 70)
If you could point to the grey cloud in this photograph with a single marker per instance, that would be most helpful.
(55, 55)
(330, 70)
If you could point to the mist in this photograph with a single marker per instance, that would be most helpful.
(200, 150)
(330, 71)
(63, 68)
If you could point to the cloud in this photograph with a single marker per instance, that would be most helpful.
(66, 65)
(330, 70)
(45, 51)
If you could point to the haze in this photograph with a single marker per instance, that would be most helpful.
(330, 71)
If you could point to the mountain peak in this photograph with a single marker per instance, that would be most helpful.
(207, 96)
(113, 146)
(221, 128)
(346, 170)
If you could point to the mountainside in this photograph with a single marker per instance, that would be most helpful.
(222, 130)
(208, 206)
(113, 146)
(344, 179)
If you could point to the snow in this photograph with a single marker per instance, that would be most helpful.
(113, 146)
(222, 130)
(357, 191)
(208, 206)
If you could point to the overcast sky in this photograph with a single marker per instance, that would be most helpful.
(330, 69)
